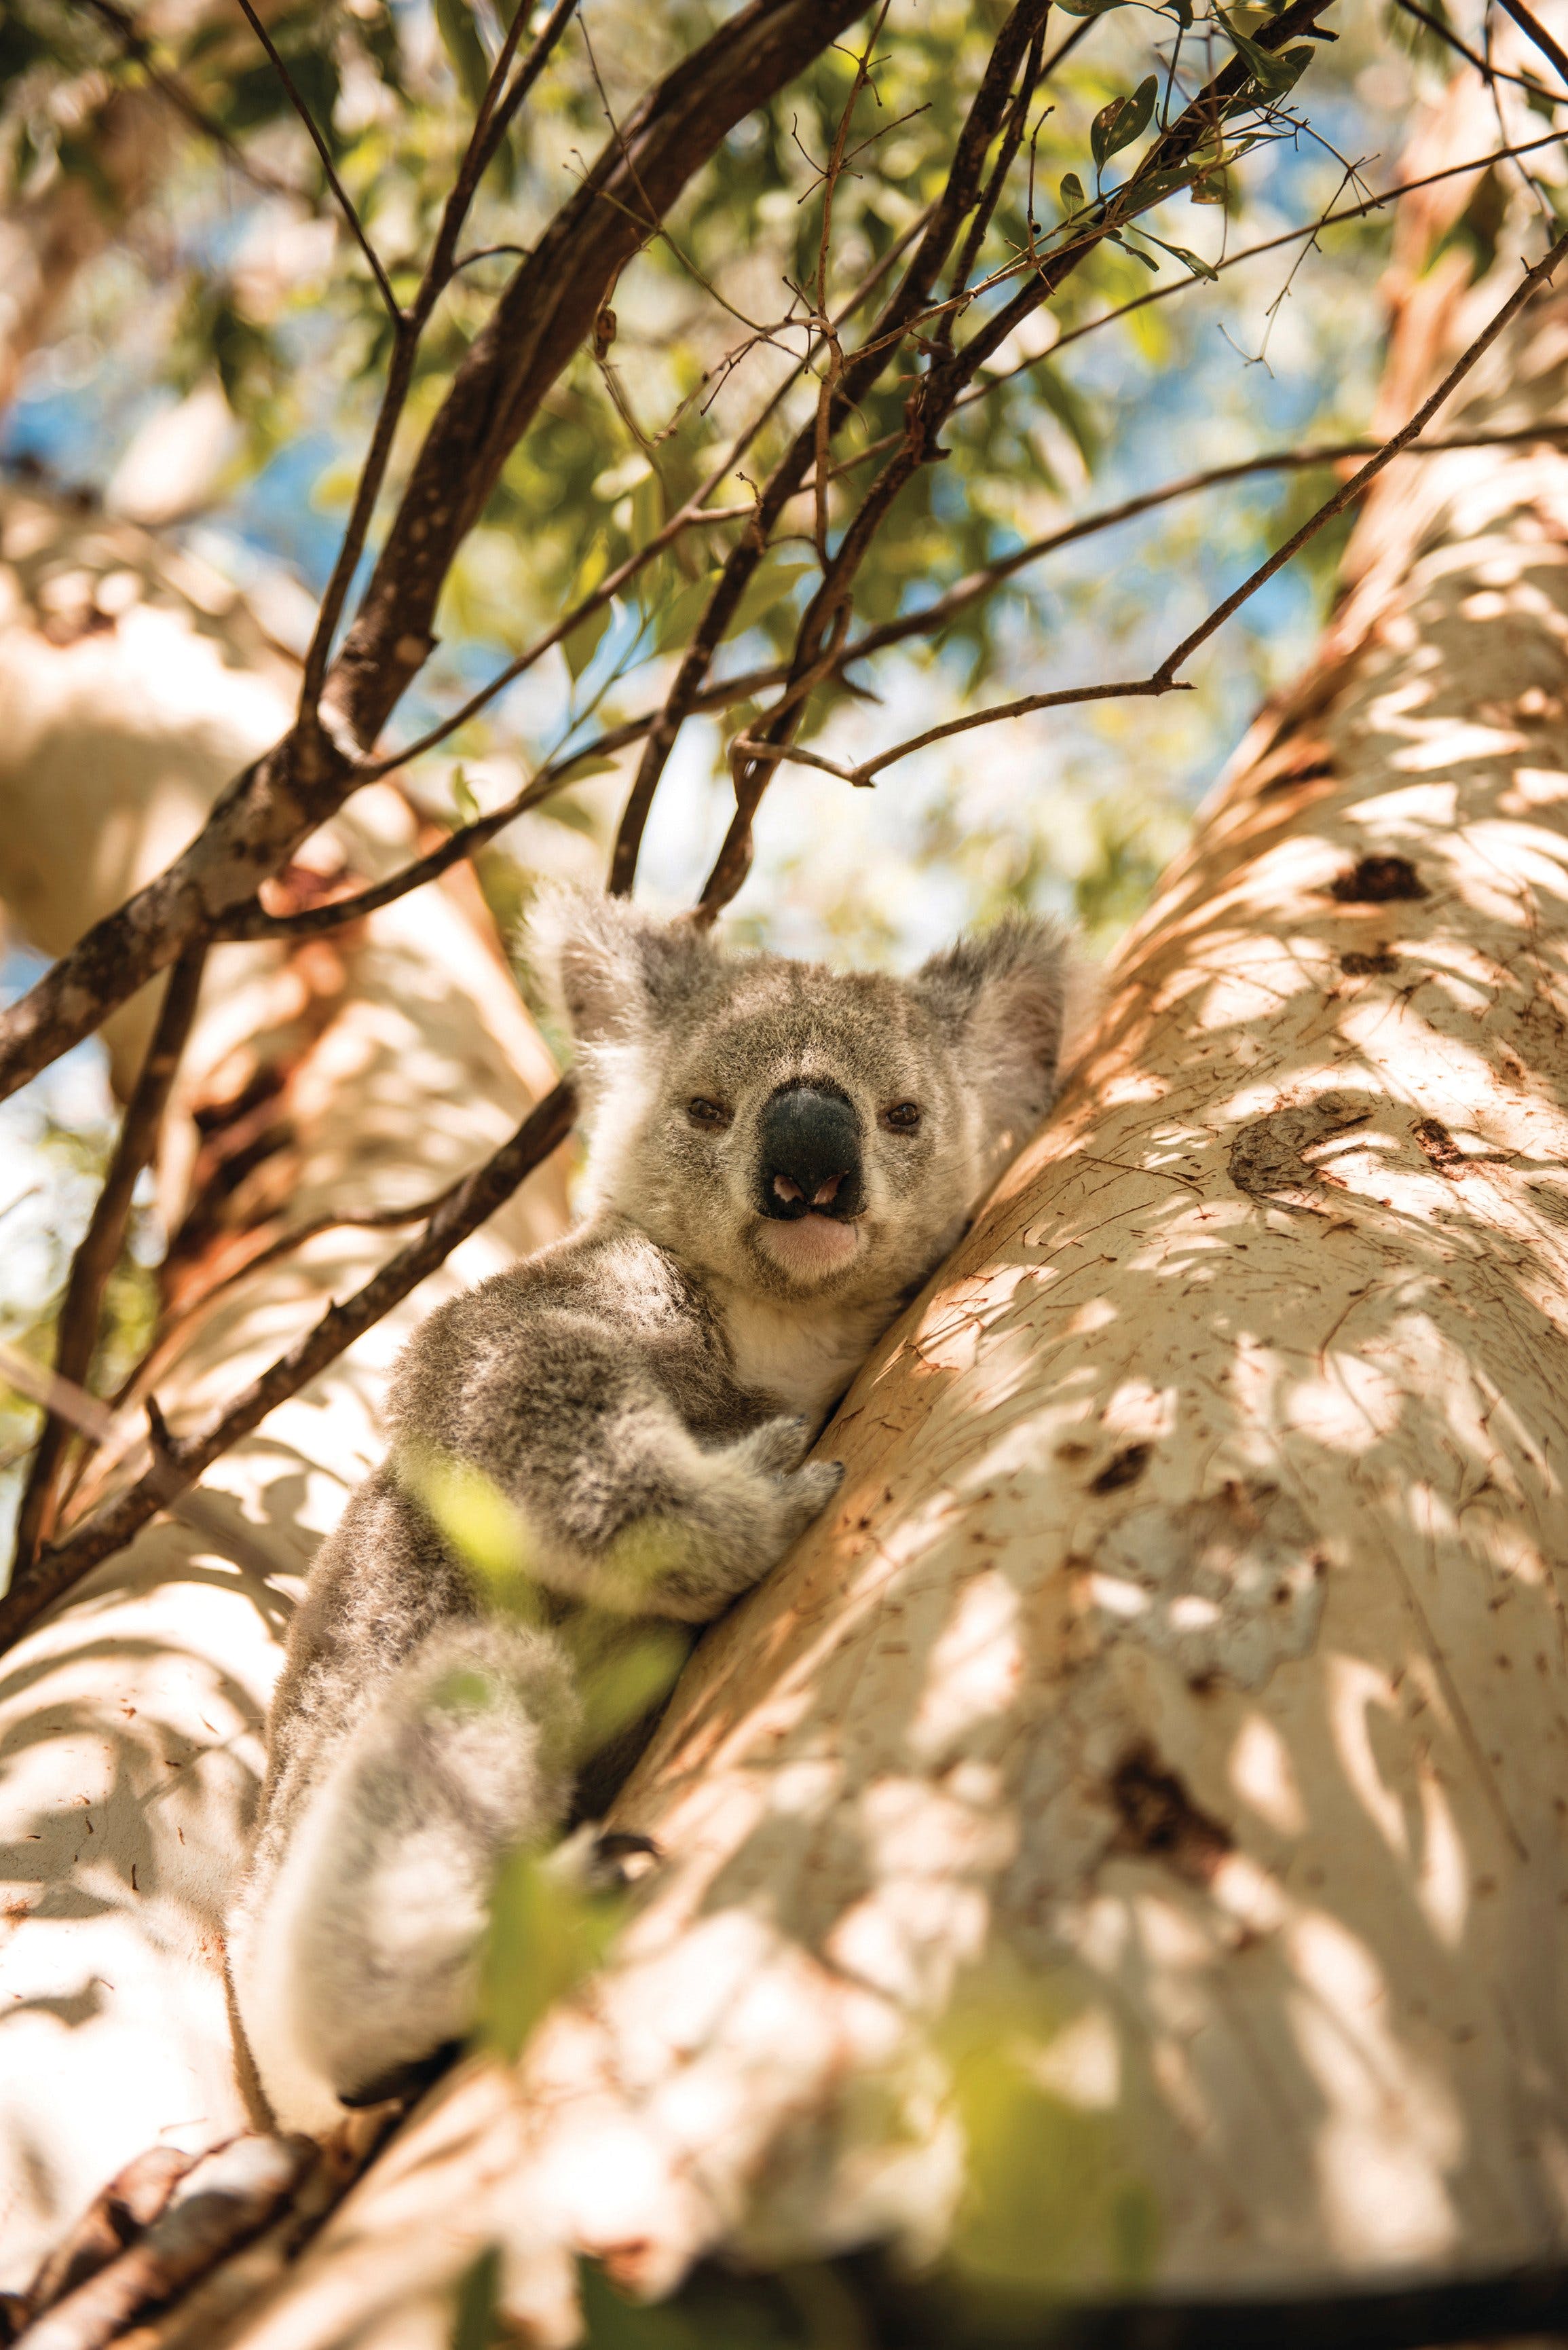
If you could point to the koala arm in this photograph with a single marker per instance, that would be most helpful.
(647, 1479)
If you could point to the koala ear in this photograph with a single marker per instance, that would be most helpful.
(614, 970)
(1000, 994)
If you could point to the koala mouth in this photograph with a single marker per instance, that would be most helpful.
(811, 1247)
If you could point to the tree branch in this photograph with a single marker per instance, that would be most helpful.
(545, 311)
(1164, 679)
(1534, 30)
(931, 401)
(97, 1254)
(987, 112)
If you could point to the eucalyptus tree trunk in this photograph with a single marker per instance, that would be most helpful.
(1149, 1788)
(341, 1077)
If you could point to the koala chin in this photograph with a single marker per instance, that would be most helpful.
(779, 1156)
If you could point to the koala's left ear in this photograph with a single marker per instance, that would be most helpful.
(1000, 994)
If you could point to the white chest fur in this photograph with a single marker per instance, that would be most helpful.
(806, 1356)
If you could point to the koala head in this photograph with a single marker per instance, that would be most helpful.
(792, 1130)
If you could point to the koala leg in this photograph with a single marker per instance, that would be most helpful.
(354, 1956)
(700, 1523)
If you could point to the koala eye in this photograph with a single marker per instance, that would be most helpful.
(704, 1112)
(903, 1117)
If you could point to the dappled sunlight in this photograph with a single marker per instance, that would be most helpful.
(1188, 1627)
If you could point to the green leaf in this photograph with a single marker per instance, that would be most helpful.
(1275, 71)
(1089, 7)
(1199, 266)
(1071, 410)
(463, 797)
(681, 614)
(475, 2325)
(459, 39)
(771, 582)
(1124, 119)
(583, 642)
(1148, 259)
(544, 1935)
(581, 769)
(1072, 197)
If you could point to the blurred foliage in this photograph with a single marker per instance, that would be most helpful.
(211, 274)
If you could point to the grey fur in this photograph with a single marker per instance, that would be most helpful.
(643, 1393)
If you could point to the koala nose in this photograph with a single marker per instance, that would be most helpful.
(810, 1156)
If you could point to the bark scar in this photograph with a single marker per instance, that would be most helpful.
(1268, 1157)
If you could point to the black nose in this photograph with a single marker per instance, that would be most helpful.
(811, 1155)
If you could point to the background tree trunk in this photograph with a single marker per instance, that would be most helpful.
(349, 1074)
(1174, 1716)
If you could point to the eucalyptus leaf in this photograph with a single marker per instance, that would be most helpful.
(463, 797)
(1124, 119)
(583, 642)
(681, 614)
(771, 583)
(465, 51)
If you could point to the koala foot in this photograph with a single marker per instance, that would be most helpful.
(808, 1491)
(596, 1860)
(403, 2081)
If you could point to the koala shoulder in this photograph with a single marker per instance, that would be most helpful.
(606, 1291)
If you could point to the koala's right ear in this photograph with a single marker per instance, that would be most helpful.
(616, 971)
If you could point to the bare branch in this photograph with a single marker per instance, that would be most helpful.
(1446, 34)
(977, 584)
(97, 1254)
(344, 203)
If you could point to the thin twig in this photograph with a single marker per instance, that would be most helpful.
(987, 111)
(97, 1253)
(177, 1468)
(320, 143)
(66, 1400)
(969, 590)
(495, 111)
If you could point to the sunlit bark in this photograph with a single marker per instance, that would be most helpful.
(348, 1076)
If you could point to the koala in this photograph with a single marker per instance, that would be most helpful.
(779, 1156)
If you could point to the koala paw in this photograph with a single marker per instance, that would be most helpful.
(809, 1490)
(778, 1447)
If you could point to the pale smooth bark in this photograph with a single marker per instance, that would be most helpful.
(377, 1067)
(1178, 1700)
